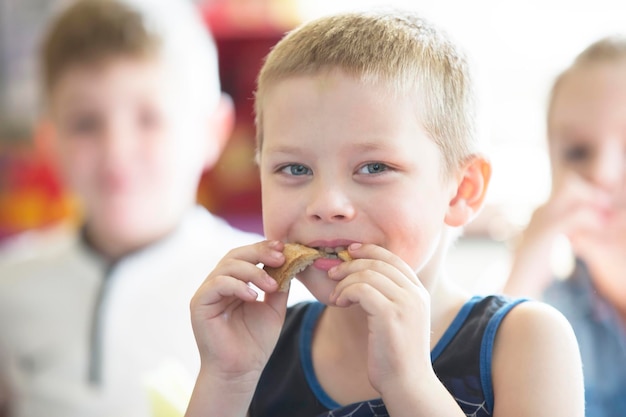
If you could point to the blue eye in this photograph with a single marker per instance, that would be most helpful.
(296, 169)
(373, 168)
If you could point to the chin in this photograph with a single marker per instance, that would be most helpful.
(129, 228)
(318, 284)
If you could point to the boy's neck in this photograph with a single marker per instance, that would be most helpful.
(341, 337)
(347, 326)
(446, 300)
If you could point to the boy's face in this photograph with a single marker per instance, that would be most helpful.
(588, 129)
(588, 140)
(124, 148)
(343, 162)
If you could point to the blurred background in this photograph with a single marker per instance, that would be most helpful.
(516, 49)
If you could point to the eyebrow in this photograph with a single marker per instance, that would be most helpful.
(371, 146)
(361, 147)
(77, 100)
(287, 149)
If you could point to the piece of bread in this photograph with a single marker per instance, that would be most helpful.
(344, 255)
(297, 258)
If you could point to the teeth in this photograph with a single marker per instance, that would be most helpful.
(331, 252)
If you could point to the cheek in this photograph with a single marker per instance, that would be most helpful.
(414, 230)
(274, 211)
(415, 243)
(283, 208)
(78, 164)
(162, 162)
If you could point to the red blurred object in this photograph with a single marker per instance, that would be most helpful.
(249, 18)
(244, 32)
(31, 194)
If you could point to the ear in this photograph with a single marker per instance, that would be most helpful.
(221, 124)
(470, 194)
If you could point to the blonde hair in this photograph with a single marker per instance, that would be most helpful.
(96, 31)
(397, 48)
(607, 50)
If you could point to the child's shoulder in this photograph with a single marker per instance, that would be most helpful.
(486, 311)
(535, 322)
(535, 349)
(38, 262)
(517, 314)
(525, 323)
(36, 245)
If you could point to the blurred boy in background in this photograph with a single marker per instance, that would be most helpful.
(95, 323)
(587, 143)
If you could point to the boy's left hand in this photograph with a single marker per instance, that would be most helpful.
(398, 310)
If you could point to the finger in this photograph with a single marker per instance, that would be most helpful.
(584, 220)
(575, 190)
(369, 277)
(219, 293)
(371, 269)
(242, 263)
(246, 272)
(406, 292)
(376, 258)
(265, 252)
(566, 216)
(372, 301)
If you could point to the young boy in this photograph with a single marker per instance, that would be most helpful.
(88, 322)
(365, 136)
(587, 143)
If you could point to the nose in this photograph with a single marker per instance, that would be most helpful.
(609, 166)
(117, 143)
(330, 202)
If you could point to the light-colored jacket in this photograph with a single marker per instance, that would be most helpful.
(82, 338)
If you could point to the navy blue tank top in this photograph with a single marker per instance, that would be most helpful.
(461, 360)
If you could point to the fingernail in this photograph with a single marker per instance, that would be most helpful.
(355, 246)
(333, 272)
(274, 243)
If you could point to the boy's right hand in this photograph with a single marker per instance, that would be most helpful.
(574, 208)
(235, 332)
